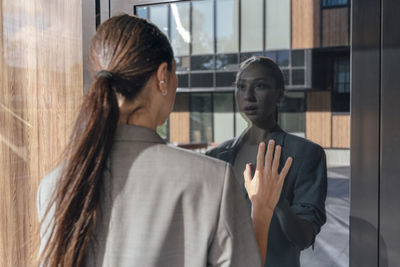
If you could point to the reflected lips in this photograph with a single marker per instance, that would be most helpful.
(250, 110)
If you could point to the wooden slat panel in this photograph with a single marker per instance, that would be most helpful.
(341, 131)
(41, 71)
(179, 120)
(318, 118)
(305, 24)
(335, 24)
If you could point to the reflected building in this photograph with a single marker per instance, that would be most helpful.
(309, 40)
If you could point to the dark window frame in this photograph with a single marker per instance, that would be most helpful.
(325, 5)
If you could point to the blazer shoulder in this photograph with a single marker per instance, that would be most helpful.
(182, 155)
(226, 145)
(302, 143)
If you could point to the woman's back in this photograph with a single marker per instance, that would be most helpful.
(163, 206)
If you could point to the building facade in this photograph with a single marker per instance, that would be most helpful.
(308, 39)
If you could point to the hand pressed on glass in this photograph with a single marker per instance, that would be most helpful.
(265, 187)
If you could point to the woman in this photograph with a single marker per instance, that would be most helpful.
(123, 197)
(300, 213)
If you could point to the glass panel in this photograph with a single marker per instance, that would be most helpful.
(225, 79)
(202, 80)
(341, 74)
(277, 34)
(286, 76)
(200, 118)
(223, 117)
(202, 62)
(183, 80)
(251, 25)
(141, 12)
(340, 102)
(240, 122)
(180, 28)
(182, 63)
(202, 27)
(297, 58)
(227, 26)
(282, 58)
(159, 16)
(297, 77)
(226, 62)
(292, 113)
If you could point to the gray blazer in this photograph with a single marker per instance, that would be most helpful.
(164, 206)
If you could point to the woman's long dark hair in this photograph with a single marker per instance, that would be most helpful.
(125, 52)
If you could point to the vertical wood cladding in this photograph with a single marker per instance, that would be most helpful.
(41, 81)
(318, 118)
(341, 131)
(335, 24)
(179, 120)
(305, 24)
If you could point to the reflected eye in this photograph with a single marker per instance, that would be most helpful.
(262, 86)
(240, 87)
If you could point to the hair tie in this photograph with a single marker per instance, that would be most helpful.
(105, 74)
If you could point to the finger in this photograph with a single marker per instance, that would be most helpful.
(260, 157)
(286, 168)
(268, 157)
(247, 173)
(277, 156)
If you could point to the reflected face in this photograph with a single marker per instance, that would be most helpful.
(257, 94)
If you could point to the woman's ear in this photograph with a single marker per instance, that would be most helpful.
(162, 76)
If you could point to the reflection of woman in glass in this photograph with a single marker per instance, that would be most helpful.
(123, 197)
(300, 212)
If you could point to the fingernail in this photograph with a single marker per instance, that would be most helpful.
(271, 142)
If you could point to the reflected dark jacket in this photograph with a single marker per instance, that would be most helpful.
(305, 189)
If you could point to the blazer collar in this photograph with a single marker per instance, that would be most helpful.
(276, 133)
(127, 132)
(231, 150)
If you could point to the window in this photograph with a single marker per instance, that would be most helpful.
(277, 28)
(201, 119)
(227, 26)
(334, 3)
(180, 28)
(203, 27)
(159, 16)
(142, 12)
(223, 105)
(292, 113)
(341, 77)
(297, 58)
(252, 26)
(341, 84)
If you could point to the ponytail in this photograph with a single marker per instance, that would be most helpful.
(78, 190)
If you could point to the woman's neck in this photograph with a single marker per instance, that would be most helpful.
(140, 117)
(255, 134)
